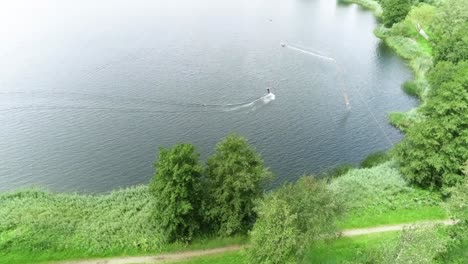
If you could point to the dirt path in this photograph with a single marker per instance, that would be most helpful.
(157, 258)
(196, 253)
(388, 228)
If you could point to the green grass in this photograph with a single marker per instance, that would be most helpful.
(375, 159)
(401, 216)
(237, 257)
(41, 226)
(347, 248)
(425, 45)
(328, 251)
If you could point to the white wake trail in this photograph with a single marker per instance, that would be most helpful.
(254, 104)
(310, 53)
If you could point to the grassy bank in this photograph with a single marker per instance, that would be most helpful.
(406, 41)
(380, 195)
(40, 226)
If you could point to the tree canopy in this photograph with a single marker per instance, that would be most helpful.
(176, 187)
(395, 11)
(235, 175)
(434, 150)
(450, 27)
(290, 219)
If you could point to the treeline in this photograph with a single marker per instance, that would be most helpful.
(435, 147)
(433, 36)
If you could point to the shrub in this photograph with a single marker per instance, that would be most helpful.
(290, 219)
(410, 88)
(418, 245)
(235, 177)
(176, 187)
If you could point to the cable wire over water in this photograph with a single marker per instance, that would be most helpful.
(340, 72)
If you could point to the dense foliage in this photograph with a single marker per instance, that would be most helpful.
(177, 189)
(451, 31)
(290, 219)
(394, 11)
(39, 223)
(235, 175)
(434, 150)
(380, 190)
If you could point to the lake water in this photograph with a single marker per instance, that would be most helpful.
(90, 89)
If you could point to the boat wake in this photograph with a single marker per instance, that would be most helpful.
(254, 105)
(98, 102)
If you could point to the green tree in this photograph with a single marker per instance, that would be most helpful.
(395, 11)
(176, 187)
(450, 28)
(274, 238)
(433, 151)
(235, 177)
(290, 219)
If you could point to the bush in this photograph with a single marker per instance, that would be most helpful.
(176, 187)
(290, 219)
(235, 177)
(375, 159)
(410, 88)
(418, 245)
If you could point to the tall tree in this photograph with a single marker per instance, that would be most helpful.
(235, 175)
(176, 187)
(434, 150)
(395, 11)
(290, 219)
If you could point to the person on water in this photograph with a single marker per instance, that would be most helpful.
(268, 91)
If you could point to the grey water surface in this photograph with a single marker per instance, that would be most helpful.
(90, 89)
